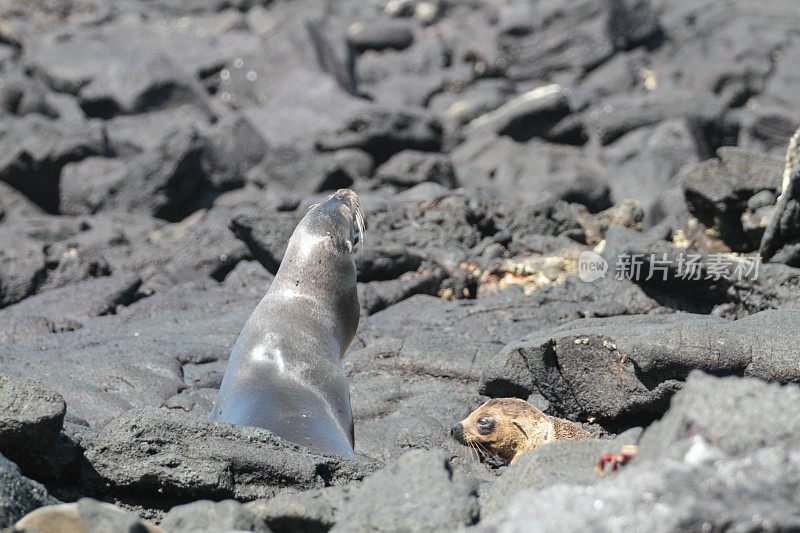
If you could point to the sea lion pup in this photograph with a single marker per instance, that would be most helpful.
(509, 427)
(285, 372)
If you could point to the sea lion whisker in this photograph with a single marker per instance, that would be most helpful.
(361, 225)
(479, 448)
(477, 456)
(478, 453)
(482, 447)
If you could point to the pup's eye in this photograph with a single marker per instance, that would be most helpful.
(356, 238)
(486, 424)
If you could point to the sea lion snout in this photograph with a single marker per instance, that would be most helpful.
(457, 432)
(349, 215)
(346, 196)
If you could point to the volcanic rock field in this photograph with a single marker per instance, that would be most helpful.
(156, 155)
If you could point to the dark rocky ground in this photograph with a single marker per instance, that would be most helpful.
(156, 155)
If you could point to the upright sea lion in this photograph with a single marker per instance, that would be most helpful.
(285, 372)
(509, 427)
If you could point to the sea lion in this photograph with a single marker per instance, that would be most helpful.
(83, 516)
(509, 427)
(285, 372)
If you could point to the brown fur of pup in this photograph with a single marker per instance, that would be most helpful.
(509, 427)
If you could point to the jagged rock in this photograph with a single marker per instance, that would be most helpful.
(724, 455)
(589, 192)
(266, 235)
(130, 135)
(139, 362)
(443, 229)
(165, 182)
(511, 314)
(617, 369)
(138, 82)
(377, 295)
(198, 248)
(68, 306)
(144, 452)
(30, 420)
(386, 263)
(758, 493)
(382, 133)
(569, 461)
(648, 162)
(478, 98)
(235, 147)
(69, 262)
(717, 192)
(766, 130)
(628, 214)
(85, 185)
(18, 494)
(547, 37)
(16, 205)
(249, 277)
(15, 329)
(22, 267)
(433, 497)
(307, 172)
(406, 79)
(698, 281)
(548, 217)
(208, 515)
(525, 171)
(310, 510)
(617, 116)
(35, 149)
(536, 113)
(409, 168)
(390, 385)
(379, 35)
(631, 22)
(737, 415)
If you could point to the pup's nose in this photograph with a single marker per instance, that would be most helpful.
(457, 432)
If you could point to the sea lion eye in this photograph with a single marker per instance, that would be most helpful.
(486, 424)
(356, 238)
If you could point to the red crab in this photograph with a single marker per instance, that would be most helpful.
(622, 458)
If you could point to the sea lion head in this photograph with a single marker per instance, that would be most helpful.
(497, 426)
(319, 264)
(338, 221)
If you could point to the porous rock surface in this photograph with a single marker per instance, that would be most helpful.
(157, 155)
